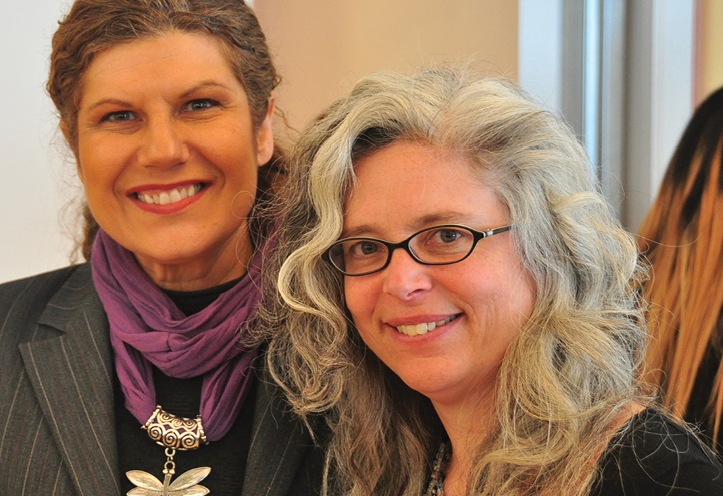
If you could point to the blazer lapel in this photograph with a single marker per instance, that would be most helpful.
(71, 375)
(278, 444)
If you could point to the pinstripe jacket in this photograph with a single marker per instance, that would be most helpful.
(57, 425)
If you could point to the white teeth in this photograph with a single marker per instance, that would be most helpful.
(172, 196)
(423, 328)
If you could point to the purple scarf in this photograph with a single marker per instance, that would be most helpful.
(147, 328)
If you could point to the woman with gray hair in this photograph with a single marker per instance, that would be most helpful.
(459, 364)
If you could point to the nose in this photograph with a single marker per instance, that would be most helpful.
(162, 145)
(404, 277)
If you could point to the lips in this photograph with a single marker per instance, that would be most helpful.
(424, 327)
(167, 197)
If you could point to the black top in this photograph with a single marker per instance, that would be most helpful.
(182, 397)
(699, 410)
(654, 456)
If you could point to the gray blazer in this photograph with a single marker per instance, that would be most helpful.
(57, 424)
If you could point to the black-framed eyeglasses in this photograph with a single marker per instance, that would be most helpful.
(438, 245)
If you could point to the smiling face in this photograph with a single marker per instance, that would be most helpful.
(169, 158)
(478, 305)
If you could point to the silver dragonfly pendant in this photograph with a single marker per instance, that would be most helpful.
(185, 485)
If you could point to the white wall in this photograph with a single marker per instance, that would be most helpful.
(646, 85)
(36, 182)
(660, 96)
(540, 58)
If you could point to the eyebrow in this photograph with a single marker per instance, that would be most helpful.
(111, 101)
(202, 85)
(439, 218)
(185, 94)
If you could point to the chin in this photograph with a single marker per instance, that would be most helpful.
(431, 386)
(171, 255)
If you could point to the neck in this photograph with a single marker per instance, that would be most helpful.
(455, 482)
(225, 264)
(467, 423)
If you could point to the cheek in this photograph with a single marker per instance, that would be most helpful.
(501, 299)
(96, 159)
(360, 309)
(351, 297)
(515, 307)
(236, 162)
(524, 289)
(88, 172)
(244, 194)
(242, 139)
(360, 300)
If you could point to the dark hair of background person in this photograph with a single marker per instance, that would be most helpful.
(93, 26)
(682, 237)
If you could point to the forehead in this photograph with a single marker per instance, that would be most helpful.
(172, 57)
(410, 184)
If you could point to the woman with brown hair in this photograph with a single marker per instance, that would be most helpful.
(682, 237)
(139, 372)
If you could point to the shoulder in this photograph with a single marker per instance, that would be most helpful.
(654, 455)
(22, 301)
(47, 283)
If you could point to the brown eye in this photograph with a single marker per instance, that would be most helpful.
(200, 104)
(120, 116)
(444, 236)
(363, 248)
(448, 235)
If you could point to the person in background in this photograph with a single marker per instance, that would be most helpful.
(139, 371)
(456, 297)
(682, 238)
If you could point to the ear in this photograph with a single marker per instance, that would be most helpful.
(65, 129)
(265, 136)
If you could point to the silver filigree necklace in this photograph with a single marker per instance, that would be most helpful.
(173, 433)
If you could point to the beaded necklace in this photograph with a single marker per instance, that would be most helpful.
(439, 468)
